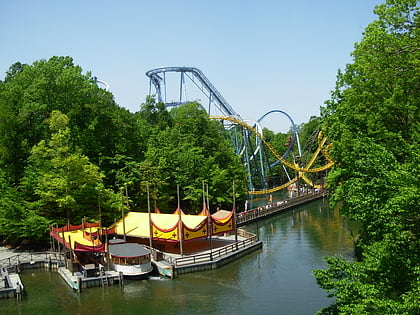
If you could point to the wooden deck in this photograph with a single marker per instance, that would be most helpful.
(206, 254)
(10, 285)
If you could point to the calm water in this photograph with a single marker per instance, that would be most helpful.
(274, 280)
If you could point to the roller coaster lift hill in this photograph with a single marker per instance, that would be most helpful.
(248, 139)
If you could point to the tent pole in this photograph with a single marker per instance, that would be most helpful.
(126, 196)
(91, 237)
(234, 215)
(122, 213)
(180, 232)
(58, 242)
(154, 198)
(71, 257)
(210, 228)
(64, 247)
(150, 218)
(204, 198)
(52, 244)
(107, 249)
(99, 208)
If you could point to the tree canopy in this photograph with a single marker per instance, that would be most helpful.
(373, 121)
(68, 151)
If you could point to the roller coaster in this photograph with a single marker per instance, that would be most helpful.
(249, 142)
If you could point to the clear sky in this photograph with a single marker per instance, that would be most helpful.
(261, 55)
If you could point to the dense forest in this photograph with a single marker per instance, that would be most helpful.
(68, 151)
(372, 120)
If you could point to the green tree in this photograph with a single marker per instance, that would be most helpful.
(29, 93)
(280, 175)
(308, 135)
(373, 122)
(194, 151)
(155, 114)
(62, 182)
(19, 223)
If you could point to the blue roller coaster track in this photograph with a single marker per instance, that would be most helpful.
(158, 79)
(251, 148)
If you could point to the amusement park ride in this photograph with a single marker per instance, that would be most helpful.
(249, 142)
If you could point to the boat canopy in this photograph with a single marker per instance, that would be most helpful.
(127, 250)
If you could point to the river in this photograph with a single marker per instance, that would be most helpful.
(274, 280)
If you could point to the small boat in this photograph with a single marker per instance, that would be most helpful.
(132, 259)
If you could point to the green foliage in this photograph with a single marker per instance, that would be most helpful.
(17, 223)
(373, 122)
(386, 282)
(62, 182)
(31, 92)
(194, 151)
(308, 136)
(67, 151)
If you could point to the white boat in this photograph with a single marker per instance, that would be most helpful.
(132, 259)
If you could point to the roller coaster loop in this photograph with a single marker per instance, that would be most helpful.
(322, 148)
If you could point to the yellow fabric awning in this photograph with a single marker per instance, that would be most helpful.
(78, 236)
(165, 226)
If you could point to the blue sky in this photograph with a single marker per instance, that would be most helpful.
(261, 55)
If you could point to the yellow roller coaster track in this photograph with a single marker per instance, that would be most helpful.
(322, 148)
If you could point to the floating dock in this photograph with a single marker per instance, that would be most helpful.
(77, 281)
(222, 250)
(11, 286)
(204, 254)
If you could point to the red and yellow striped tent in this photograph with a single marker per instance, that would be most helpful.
(170, 227)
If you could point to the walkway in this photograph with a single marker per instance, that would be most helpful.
(206, 254)
(260, 213)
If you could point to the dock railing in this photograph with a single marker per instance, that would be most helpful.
(13, 263)
(217, 252)
(255, 214)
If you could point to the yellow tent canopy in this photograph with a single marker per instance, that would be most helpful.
(168, 226)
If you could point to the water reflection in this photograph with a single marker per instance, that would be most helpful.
(274, 280)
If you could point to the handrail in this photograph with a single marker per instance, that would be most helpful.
(30, 257)
(256, 213)
(217, 253)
